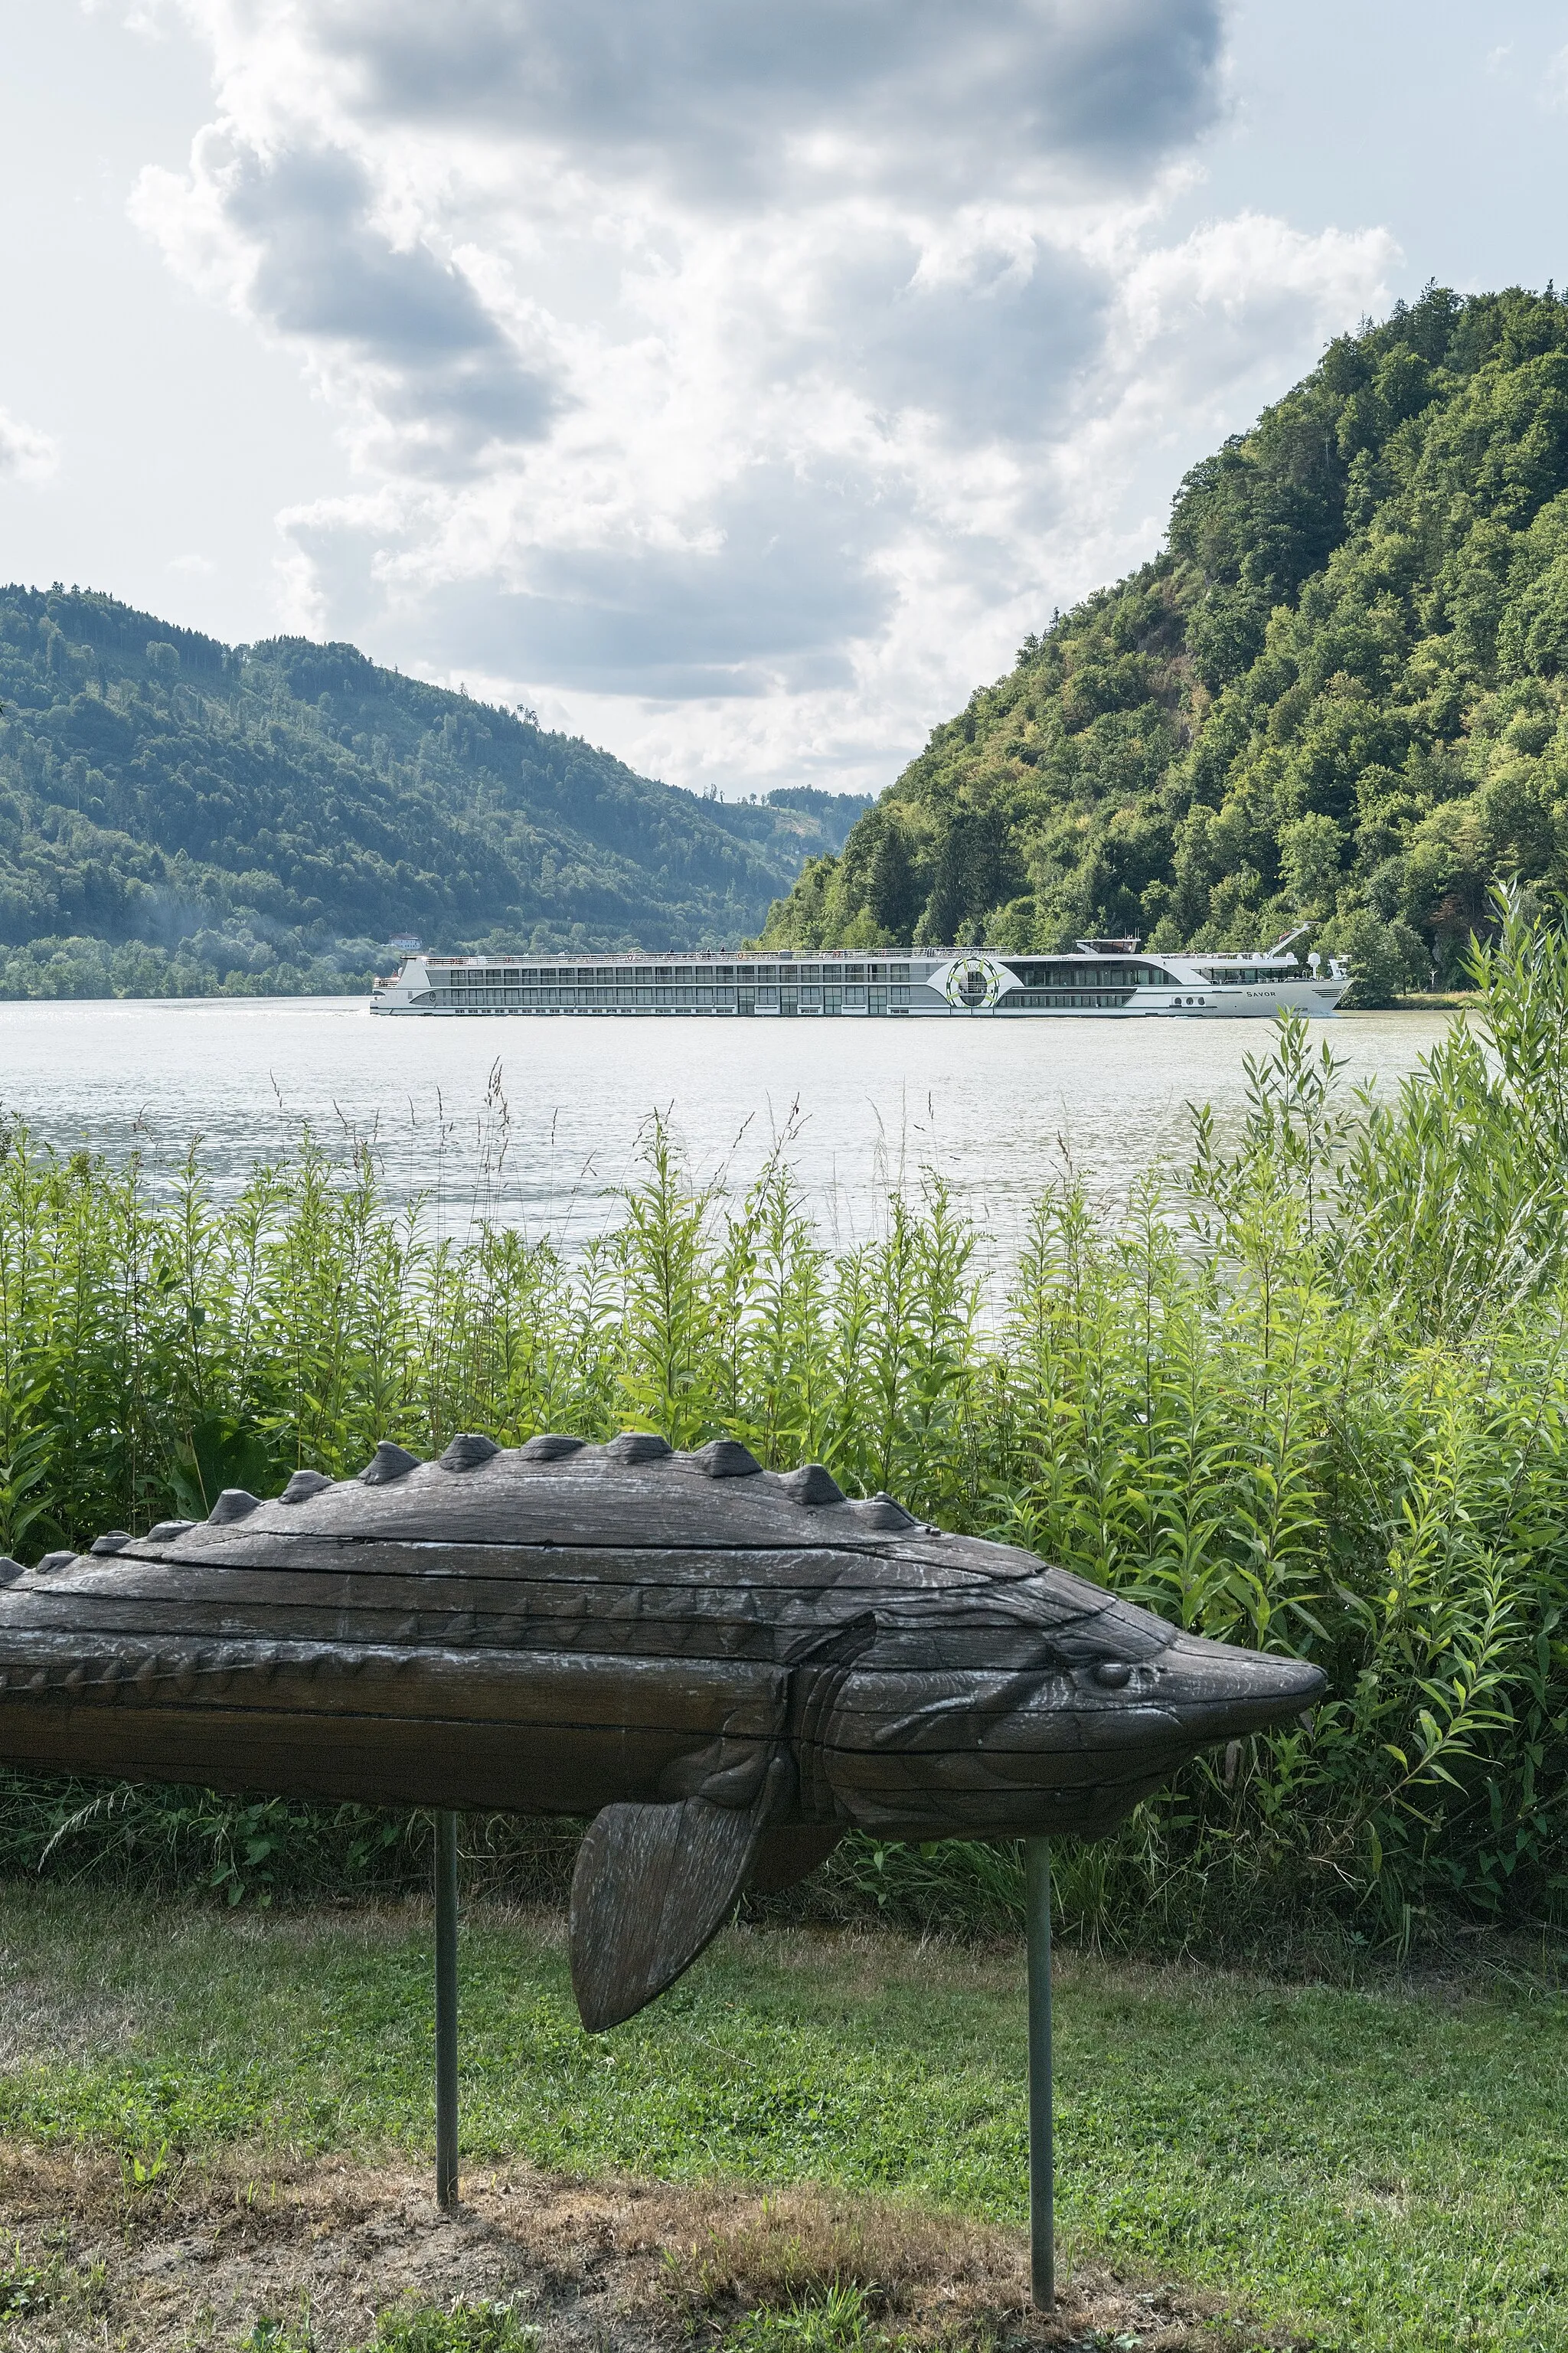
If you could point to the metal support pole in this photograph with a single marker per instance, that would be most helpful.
(1042, 2188)
(446, 2009)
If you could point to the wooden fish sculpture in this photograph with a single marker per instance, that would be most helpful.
(726, 1667)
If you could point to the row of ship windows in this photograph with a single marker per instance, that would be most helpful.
(802, 977)
(1024, 998)
(826, 1000)
(727, 976)
(1043, 976)
(1021, 999)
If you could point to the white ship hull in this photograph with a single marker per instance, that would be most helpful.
(965, 985)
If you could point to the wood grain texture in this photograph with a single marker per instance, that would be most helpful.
(654, 1885)
(728, 1668)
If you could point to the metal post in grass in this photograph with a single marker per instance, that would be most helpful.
(1042, 2187)
(446, 2009)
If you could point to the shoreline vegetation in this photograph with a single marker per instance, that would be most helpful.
(1310, 1395)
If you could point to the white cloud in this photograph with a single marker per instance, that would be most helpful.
(26, 455)
(746, 379)
(1554, 84)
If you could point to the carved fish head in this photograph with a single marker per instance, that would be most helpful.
(1112, 1702)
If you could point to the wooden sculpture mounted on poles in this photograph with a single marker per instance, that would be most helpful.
(726, 1668)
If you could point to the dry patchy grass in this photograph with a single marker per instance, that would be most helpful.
(200, 2254)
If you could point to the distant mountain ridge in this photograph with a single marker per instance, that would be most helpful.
(178, 816)
(1338, 694)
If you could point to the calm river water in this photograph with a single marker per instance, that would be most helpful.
(535, 1120)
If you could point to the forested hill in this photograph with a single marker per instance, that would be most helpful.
(1340, 692)
(177, 813)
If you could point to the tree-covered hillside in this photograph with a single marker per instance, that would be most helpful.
(1340, 692)
(177, 815)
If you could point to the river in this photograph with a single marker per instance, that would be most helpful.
(535, 1121)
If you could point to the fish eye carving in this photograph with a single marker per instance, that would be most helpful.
(1114, 1673)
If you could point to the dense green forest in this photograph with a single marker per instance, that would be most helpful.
(1340, 692)
(178, 816)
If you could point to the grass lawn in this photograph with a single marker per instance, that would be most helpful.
(1357, 2169)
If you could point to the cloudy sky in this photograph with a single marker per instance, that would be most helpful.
(736, 383)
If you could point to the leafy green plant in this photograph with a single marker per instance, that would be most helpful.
(837, 2322)
(141, 2171)
(271, 2336)
(463, 2326)
(25, 2286)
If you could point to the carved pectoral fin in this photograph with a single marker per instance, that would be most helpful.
(653, 1886)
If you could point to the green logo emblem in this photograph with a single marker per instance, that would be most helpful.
(974, 983)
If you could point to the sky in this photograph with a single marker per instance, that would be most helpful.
(734, 385)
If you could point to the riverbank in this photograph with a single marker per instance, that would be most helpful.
(1266, 2164)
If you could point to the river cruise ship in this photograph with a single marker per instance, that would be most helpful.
(1102, 979)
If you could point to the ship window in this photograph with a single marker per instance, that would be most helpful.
(854, 972)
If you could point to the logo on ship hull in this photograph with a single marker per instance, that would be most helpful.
(974, 983)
